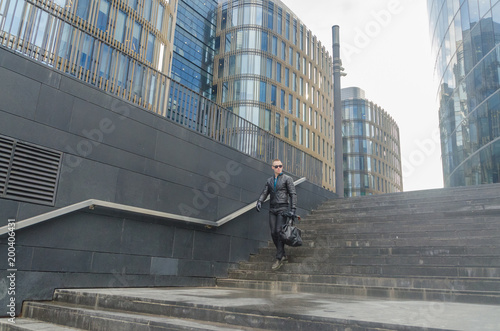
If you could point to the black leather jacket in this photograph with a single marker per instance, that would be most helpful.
(284, 189)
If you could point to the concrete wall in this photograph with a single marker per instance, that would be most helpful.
(116, 152)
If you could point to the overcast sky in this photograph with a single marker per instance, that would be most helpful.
(385, 49)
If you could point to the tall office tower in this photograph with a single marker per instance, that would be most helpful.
(122, 47)
(194, 45)
(465, 38)
(372, 153)
(271, 70)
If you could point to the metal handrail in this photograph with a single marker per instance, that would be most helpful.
(92, 203)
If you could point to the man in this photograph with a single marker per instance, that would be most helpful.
(280, 187)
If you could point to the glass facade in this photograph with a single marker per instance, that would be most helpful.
(465, 39)
(126, 48)
(113, 45)
(194, 45)
(371, 147)
(271, 70)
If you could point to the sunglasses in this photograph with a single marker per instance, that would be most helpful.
(278, 166)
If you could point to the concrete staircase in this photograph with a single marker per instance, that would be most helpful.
(441, 245)
(426, 260)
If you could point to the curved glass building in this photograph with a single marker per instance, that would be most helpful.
(372, 152)
(271, 70)
(466, 41)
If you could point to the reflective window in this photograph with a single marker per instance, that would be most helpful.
(132, 4)
(82, 9)
(121, 18)
(279, 21)
(102, 17)
(262, 97)
(270, 15)
(151, 46)
(136, 38)
(273, 95)
(147, 9)
(278, 124)
(159, 18)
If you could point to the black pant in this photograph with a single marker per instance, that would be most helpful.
(276, 222)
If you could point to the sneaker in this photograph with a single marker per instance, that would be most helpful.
(284, 259)
(277, 264)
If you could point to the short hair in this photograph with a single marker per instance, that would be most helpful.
(276, 160)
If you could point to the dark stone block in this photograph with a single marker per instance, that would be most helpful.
(120, 263)
(187, 201)
(22, 258)
(164, 266)
(54, 114)
(83, 179)
(211, 246)
(59, 260)
(141, 238)
(183, 244)
(196, 268)
(9, 210)
(74, 87)
(130, 111)
(19, 94)
(29, 68)
(137, 190)
(77, 231)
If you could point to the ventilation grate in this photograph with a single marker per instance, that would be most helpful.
(6, 147)
(28, 172)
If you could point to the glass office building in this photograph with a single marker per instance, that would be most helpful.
(465, 39)
(194, 45)
(123, 47)
(372, 153)
(271, 70)
(175, 57)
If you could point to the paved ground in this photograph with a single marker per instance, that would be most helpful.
(438, 315)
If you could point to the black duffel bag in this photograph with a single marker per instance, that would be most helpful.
(289, 233)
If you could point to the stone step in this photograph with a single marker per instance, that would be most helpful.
(28, 324)
(320, 257)
(439, 209)
(397, 233)
(87, 318)
(226, 309)
(331, 241)
(322, 225)
(319, 268)
(420, 202)
(422, 219)
(303, 251)
(456, 193)
(393, 293)
(422, 282)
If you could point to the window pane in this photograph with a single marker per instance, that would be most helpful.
(82, 10)
(151, 46)
(120, 26)
(136, 39)
(159, 18)
(102, 17)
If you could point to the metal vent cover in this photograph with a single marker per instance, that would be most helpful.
(28, 172)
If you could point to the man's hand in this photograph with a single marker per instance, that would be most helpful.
(258, 206)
